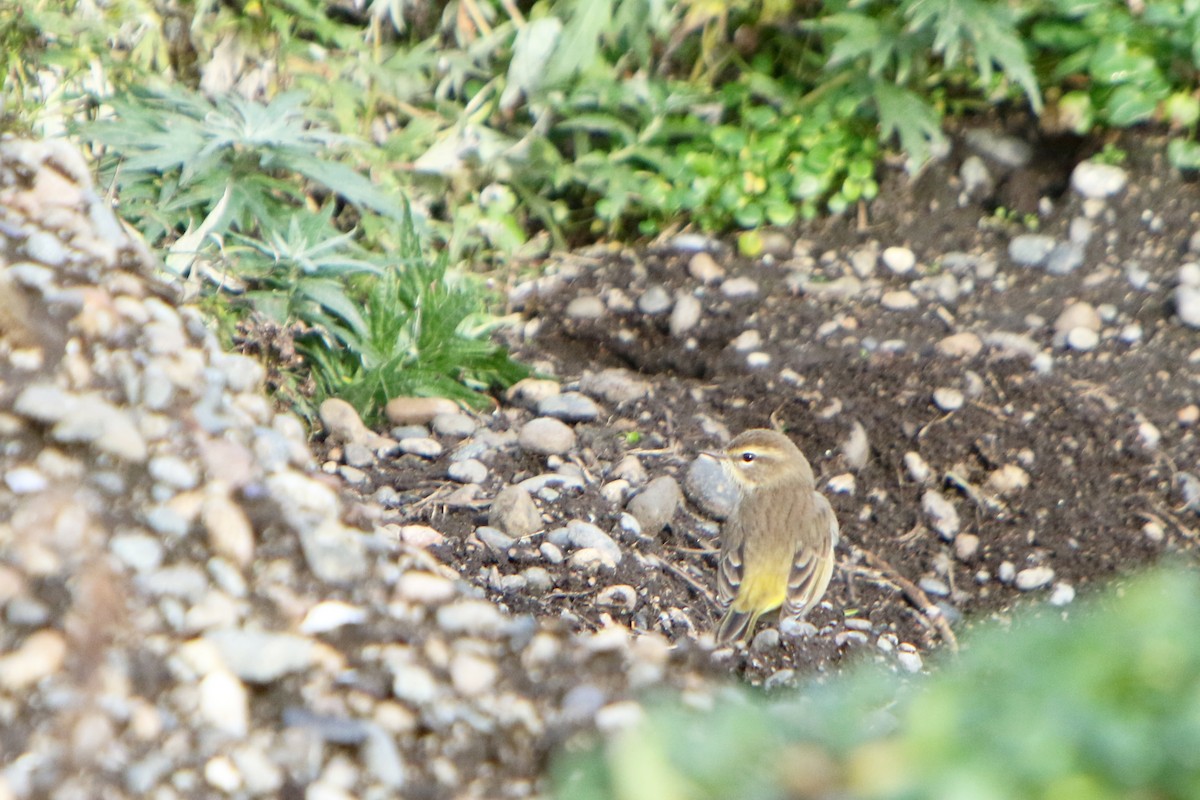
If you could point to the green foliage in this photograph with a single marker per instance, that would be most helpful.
(1125, 66)
(422, 331)
(233, 181)
(1101, 705)
(601, 116)
(231, 165)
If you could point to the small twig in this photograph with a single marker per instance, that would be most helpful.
(916, 596)
(1169, 514)
(683, 576)
(982, 499)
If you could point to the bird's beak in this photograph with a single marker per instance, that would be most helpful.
(715, 454)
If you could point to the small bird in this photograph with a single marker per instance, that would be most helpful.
(777, 545)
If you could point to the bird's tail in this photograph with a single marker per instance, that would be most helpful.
(735, 625)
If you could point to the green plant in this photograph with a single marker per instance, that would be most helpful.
(886, 53)
(1125, 65)
(183, 163)
(1101, 705)
(422, 331)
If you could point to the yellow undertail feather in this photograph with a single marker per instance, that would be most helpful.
(757, 595)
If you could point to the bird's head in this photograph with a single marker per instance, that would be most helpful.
(759, 458)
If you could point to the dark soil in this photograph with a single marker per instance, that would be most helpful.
(1075, 430)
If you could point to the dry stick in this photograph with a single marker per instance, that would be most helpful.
(688, 579)
(915, 596)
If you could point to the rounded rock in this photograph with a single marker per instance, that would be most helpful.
(620, 597)
(420, 446)
(514, 512)
(585, 307)
(457, 425)
(1187, 305)
(417, 410)
(655, 300)
(1082, 339)
(948, 399)
(528, 392)
(546, 436)
(1033, 578)
(1030, 249)
(1098, 181)
(1077, 315)
(342, 422)
(740, 288)
(943, 516)
(965, 345)
(569, 407)
(900, 260)
(614, 385)
(899, 300)
(686, 314)
(469, 471)
(655, 506)
(704, 268)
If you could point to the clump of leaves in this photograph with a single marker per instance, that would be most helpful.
(1123, 64)
(422, 331)
(182, 162)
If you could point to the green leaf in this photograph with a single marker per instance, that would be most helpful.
(987, 28)
(1128, 105)
(1184, 154)
(527, 73)
(909, 117)
(1114, 63)
(577, 48)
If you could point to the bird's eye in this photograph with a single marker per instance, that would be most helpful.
(747, 457)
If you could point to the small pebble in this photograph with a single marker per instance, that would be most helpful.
(425, 448)
(620, 597)
(843, 484)
(1030, 249)
(686, 315)
(514, 512)
(966, 546)
(948, 399)
(918, 469)
(417, 410)
(1098, 181)
(704, 268)
(546, 436)
(1062, 594)
(494, 539)
(1033, 578)
(569, 407)
(655, 300)
(455, 426)
(943, 516)
(739, 288)
(655, 506)
(469, 471)
(1007, 480)
(585, 307)
(963, 345)
(899, 300)
(900, 260)
(910, 660)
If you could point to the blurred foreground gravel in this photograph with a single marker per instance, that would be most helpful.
(185, 613)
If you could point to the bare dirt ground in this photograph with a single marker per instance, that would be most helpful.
(1104, 435)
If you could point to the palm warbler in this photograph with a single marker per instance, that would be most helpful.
(777, 545)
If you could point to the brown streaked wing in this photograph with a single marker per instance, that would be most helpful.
(813, 565)
(729, 572)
